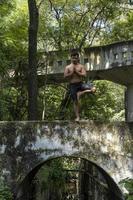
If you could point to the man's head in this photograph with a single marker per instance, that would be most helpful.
(74, 56)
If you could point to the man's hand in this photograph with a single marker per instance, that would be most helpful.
(80, 70)
(68, 72)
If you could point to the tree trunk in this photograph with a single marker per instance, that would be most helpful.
(32, 69)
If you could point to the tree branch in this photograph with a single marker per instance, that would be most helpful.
(89, 28)
(39, 5)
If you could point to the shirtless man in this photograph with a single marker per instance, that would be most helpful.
(75, 72)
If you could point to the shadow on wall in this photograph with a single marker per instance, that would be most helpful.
(130, 125)
(68, 178)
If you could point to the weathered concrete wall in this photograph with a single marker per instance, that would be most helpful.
(24, 145)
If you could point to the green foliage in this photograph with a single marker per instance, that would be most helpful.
(50, 99)
(121, 30)
(68, 24)
(13, 51)
(5, 11)
(6, 6)
(51, 179)
(70, 163)
(10, 103)
(5, 193)
(57, 175)
(58, 29)
(3, 107)
(65, 177)
(54, 177)
(14, 34)
(103, 105)
(128, 185)
(13, 37)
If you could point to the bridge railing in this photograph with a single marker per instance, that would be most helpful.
(105, 57)
(95, 58)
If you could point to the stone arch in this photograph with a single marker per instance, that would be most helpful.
(114, 190)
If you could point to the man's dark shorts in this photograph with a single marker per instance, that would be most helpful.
(76, 87)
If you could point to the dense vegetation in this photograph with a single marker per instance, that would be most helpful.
(63, 24)
(59, 23)
(5, 193)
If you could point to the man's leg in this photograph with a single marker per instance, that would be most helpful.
(92, 90)
(82, 92)
(76, 110)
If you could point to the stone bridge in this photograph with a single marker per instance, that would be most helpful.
(26, 146)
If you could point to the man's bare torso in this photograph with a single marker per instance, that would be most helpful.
(74, 78)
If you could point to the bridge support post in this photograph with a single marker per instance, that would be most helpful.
(129, 104)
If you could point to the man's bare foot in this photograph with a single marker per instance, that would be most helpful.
(93, 90)
(77, 119)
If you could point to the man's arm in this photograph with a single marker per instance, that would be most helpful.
(82, 71)
(67, 72)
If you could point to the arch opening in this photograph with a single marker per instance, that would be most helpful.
(68, 177)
